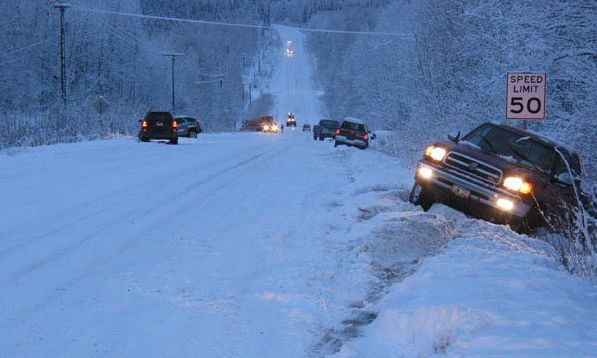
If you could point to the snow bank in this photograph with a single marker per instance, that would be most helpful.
(490, 293)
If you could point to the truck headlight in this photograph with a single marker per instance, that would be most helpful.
(435, 153)
(425, 173)
(518, 184)
(505, 204)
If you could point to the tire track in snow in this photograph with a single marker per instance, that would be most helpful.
(108, 206)
(394, 242)
(109, 224)
(111, 255)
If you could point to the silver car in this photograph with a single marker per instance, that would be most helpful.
(188, 126)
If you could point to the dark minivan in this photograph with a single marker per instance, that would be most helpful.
(159, 125)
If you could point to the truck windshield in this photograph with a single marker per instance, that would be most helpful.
(353, 126)
(514, 147)
(330, 124)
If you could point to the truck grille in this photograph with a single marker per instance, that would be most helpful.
(473, 167)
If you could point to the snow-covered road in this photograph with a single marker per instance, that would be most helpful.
(292, 82)
(222, 246)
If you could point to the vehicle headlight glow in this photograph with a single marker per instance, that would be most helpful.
(505, 204)
(518, 184)
(435, 153)
(425, 173)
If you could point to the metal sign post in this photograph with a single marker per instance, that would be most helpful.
(525, 96)
(101, 106)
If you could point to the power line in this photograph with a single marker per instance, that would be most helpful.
(25, 48)
(136, 42)
(405, 36)
(206, 75)
(211, 81)
(149, 46)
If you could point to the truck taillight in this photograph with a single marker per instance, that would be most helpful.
(174, 125)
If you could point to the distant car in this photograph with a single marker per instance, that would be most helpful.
(352, 132)
(306, 128)
(158, 125)
(188, 126)
(261, 124)
(270, 128)
(325, 129)
(291, 121)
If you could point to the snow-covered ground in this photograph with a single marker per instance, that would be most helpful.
(489, 293)
(257, 245)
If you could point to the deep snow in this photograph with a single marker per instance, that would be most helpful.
(489, 293)
(260, 245)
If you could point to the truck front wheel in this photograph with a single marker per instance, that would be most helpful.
(530, 223)
(421, 196)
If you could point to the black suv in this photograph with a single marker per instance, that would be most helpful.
(501, 174)
(188, 126)
(159, 125)
(325, 129)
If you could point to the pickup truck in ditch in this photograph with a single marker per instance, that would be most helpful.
(326, 128)
(501, 174)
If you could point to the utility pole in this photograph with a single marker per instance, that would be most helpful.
(254, 74)
(242, 107)
(61, 7)
(173, 55)
(242, 80)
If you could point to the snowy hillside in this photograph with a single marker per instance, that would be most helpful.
(448, 71)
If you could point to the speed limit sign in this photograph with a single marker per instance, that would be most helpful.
(525, 97)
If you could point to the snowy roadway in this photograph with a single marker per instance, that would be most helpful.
(257, 245)
(212, 247)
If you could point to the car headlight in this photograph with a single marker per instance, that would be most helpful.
(518, 184)
(435, 153)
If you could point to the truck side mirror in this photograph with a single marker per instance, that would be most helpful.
(565, 178)
(454, 137)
